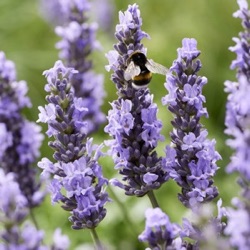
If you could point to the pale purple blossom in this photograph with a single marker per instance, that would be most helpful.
(60, 241)
(103, 13)
(204, 229)
(26, 238)
(238, 226)
(13, 204)
(30, 142)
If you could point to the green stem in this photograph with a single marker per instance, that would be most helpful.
(124, 213)
(33, 218)
(152, 199)
(96, 239)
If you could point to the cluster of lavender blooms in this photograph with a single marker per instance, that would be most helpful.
(238, 127)
(14, 209)
(19, 233)
(20, 139)
(132, 122)
(58, 12)
(20, 191)
(77, 179)
(199, 231)
(159, 231)
(77, 43)
(191, 162)
(135, 129)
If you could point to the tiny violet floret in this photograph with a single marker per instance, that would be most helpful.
(77, 181)
(191, 159)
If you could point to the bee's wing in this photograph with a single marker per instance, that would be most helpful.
(156, 67)
(131, 71)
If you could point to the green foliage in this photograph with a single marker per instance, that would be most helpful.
(30, 42)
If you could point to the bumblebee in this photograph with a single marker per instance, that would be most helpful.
(139, 70)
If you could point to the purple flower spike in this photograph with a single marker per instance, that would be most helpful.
(159, 232)
(13, 203)
(78, 42)
(238, 106)
(132, 121)
(238, 227)
(241, 47)
(60, 241)
(205, 228)
(191, 162)
(237, 123)
(77, 177)
(13, 211)
(20, 139)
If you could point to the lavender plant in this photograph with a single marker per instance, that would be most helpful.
(200, 229)
(237, 127)
(75, 177)
(13, 211)
(78, 42)
(132, 121)
(191, 160)
(60, 12)
(20, 139)
(16, 231)
(159, 232)
(77, 181)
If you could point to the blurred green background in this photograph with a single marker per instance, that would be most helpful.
(29, 41)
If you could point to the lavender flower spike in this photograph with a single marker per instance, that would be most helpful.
(20, 139)
(13, 211)
(238, 127)
(159, 232)
(16, 231)
(132, 121)
(192, 160)
(238, 107)
(77, 177)
(78, 42)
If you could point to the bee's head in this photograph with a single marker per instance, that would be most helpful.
(138, 58)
